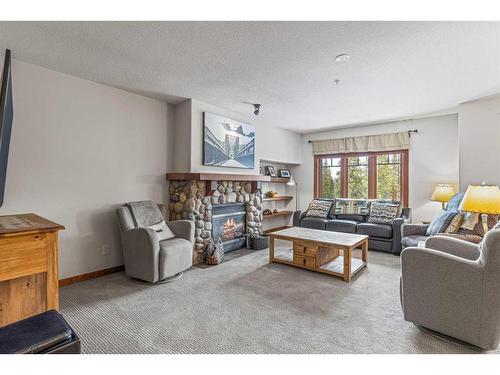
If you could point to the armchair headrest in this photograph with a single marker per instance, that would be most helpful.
(144, 213)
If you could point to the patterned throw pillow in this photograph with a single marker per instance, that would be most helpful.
(455, 224)
(473, 224)
(344, 206)
(440, 223)
(318, 208)
(382, 213)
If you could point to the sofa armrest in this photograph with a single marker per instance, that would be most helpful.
(183, 229)
(141, 251)
(453, 246)
(397, 223)
(414, 229)
(297, 217)
(435, 283)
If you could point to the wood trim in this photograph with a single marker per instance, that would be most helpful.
(216, 177)
(372, 173)
(372, 176)
(275, 229)
(90, 275)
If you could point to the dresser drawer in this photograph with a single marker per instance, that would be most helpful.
(304, 261)
(304, 249)
(23, 255)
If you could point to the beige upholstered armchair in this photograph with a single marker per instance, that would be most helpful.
(453, 287)
(152, 251)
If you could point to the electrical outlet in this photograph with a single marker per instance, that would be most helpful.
(106, 249)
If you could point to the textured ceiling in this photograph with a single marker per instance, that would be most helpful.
(396, 69)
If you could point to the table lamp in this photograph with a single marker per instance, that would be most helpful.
(442, 193)
(483, 199)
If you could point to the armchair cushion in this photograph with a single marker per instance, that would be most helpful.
(412, 240)
(176, 255)
(162, 231)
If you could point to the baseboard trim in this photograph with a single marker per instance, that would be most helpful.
(90, 275)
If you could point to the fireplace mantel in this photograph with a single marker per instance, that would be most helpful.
(215, 177)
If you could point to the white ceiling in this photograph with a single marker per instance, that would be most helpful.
(396, 69)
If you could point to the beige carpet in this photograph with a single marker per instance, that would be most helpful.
(246, 305)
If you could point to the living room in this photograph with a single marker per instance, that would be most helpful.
(250, 187)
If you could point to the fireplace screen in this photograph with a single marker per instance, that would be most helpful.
(228, 224)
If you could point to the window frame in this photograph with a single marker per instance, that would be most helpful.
(372, 173)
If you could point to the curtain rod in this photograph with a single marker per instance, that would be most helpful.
(409, 133)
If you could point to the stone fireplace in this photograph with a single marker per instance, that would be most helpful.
(209, 199)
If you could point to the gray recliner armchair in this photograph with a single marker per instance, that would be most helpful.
(453, 287)
(145, 256)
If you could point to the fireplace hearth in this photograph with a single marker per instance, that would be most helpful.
(228, 224)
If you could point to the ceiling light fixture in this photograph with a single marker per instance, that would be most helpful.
(256, 108)
(342, 58)
(336, 82)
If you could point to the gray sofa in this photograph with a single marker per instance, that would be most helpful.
(383, 237)
(412, 234)
(145, 257)
(452, 287)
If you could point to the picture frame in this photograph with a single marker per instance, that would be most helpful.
(227, 143)
(270, 171)
(284, 173)
(261, 171)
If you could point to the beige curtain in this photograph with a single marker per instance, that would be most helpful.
(369, 143)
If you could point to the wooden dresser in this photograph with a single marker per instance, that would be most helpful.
(28, 266)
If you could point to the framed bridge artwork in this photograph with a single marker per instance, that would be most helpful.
(227, 143)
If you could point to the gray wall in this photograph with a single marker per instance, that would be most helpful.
(78, 150)
(479, 140)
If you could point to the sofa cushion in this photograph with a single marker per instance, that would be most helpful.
(319, 208)
(412, 241)
(382, 213)
(352, 206)
(375, 230)
(176, 255)
(346, 226)
(352, 217)
(313, 223)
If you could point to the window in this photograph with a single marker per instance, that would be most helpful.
(381, 175)
(330, 176)
(357, 186)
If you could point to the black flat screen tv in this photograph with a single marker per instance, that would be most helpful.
(6, 117)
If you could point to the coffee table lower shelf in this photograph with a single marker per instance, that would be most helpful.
(334, 267)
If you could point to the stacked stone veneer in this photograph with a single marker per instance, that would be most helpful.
(189, 201)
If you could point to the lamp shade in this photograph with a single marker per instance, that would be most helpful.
(484, 199)
(443, 193)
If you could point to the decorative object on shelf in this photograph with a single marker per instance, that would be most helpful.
(442, 193)
(227, 143)
(261, 171)
(215, 252)
(267, 212)
(270, 171)
(275, 211)
(292, 182)
(284, 173)
(483, 199)
(258, 242)
(271, 194)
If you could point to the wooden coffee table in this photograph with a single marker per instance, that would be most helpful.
(321, 251)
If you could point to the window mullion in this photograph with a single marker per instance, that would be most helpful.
(372, 176)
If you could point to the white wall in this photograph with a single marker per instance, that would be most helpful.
(433, 158)
(78, 150)
(479, 141)
(271, 143)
